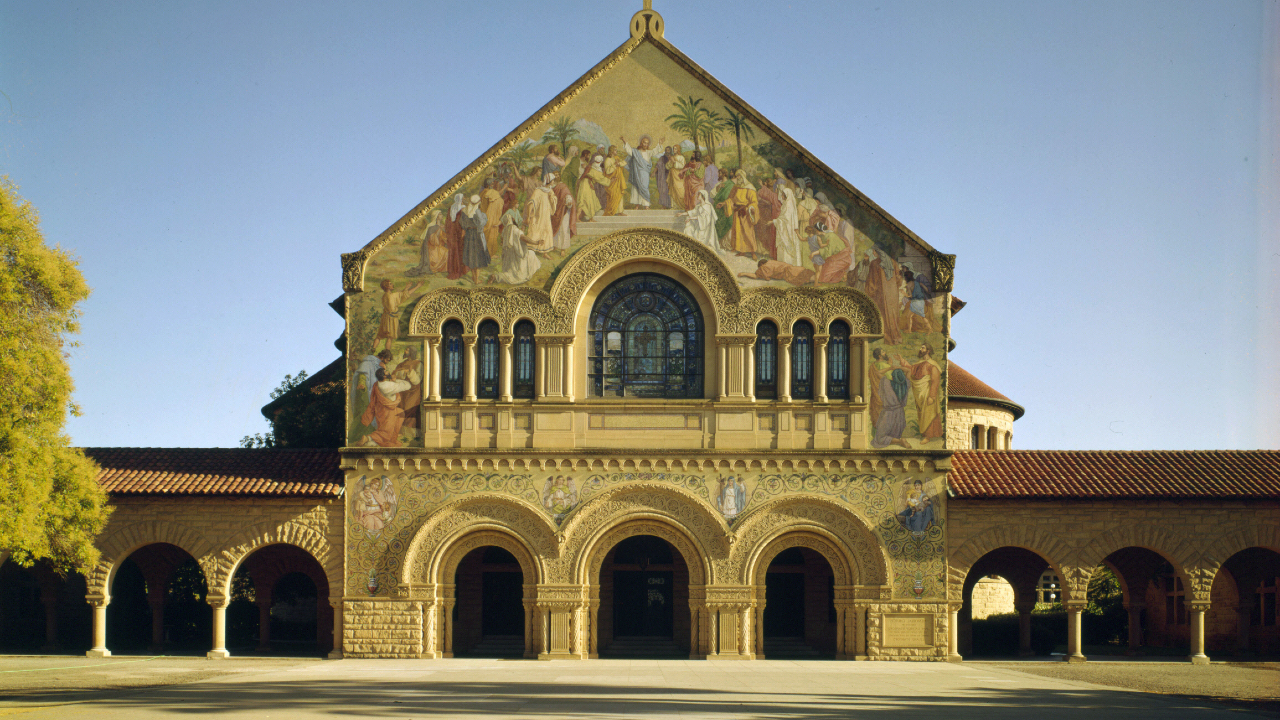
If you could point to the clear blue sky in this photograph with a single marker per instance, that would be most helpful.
(1106, 172)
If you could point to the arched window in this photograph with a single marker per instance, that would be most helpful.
(767, 360)
(451, 360)
(993, 439)
(487, 357)
(838, 361)
(523, 359)
(802, 361)
(975, 441)
(646, 340)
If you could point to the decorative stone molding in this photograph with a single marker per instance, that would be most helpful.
(658, 527)
(488, 511)
(944, 271)
(802, 538)
(1045, 544)
(457, 549)
(1176, 550)
(310, 541)
(859, 550)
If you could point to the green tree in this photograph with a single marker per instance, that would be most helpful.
(306, 411)
(688, 119)
(713, 127)
(520, 155)
(563, 132)
(738, 123)
(51, 506)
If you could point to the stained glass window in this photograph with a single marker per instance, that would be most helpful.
(767, 360)
(838, 361)
(451, 360)
(487, 357)
(523, 359)
(802, 361)
(646, 340)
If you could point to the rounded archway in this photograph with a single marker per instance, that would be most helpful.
(799, 618)
(1033, 622)
(490, 616)
(279, 603)
(1244, 610)
(158, 603)
(644, 608)
(42, 611)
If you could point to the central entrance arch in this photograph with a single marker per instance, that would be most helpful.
(644, 600)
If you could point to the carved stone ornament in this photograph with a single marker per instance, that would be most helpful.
(944, 271)
(733, 310)
(485, 511)
(827, 527)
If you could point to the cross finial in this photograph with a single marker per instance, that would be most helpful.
(646, 21)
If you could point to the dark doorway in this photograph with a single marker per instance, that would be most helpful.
(642, 603)
(644, 600)
(799, 610)
(489, 612)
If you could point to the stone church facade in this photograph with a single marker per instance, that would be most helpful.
(682, 398)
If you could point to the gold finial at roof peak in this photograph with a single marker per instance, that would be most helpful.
(647, 21)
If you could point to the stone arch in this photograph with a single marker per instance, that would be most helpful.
(863, 554)
(1175, 551)
(1075, 580)
(668, 512)
(480, 511)
(817, 305)
(803, 536)
(695, 266)
(443, 567)
(228, 560)
(118, 545)
(1247, 535)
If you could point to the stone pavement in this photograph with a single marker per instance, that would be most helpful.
(467, 688)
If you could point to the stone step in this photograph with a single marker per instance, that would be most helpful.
(497, 646)
(644, 647)
(786, 647)
(605, 224)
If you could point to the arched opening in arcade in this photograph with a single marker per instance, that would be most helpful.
(42, 611)
(799, 611)
(158, 603)
(1244, 611)
(489, 612)
(280, 604)
(644, 600)
(1027, 620)
(1137, 605)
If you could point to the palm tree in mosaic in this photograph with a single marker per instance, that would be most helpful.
(689, 119)
(713, 127)
(563, 132)
(738, 123)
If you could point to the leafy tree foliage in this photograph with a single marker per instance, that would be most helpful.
(51, 506)
(306, 412)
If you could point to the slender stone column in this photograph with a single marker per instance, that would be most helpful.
(747, 641)
(567, 383)
(505, 369)
(219, 606)
(749, 378)
(1197, 612)
(1075, 646)
(784, 368)
(1024, 627)
(820, 372)
(469, 375)
(1135, 627)
(448, 627)
(953, 633)
(759, 636)
(99, 648)
(433, 369)
(338, 636)
(721, 364)
(540, 370)
(1243, 620)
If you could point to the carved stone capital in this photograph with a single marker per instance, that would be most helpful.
(944, 271)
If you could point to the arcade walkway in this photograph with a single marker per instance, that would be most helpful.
(190, 687)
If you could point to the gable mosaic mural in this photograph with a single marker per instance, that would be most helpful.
(650, 144)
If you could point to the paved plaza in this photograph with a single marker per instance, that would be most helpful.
(66, 687)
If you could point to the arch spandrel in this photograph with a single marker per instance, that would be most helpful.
(667, 506)
(822, 516)
(481, 511)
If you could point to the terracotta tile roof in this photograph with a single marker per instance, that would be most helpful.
(962, 384)
(1150, 474)
(218, 471)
